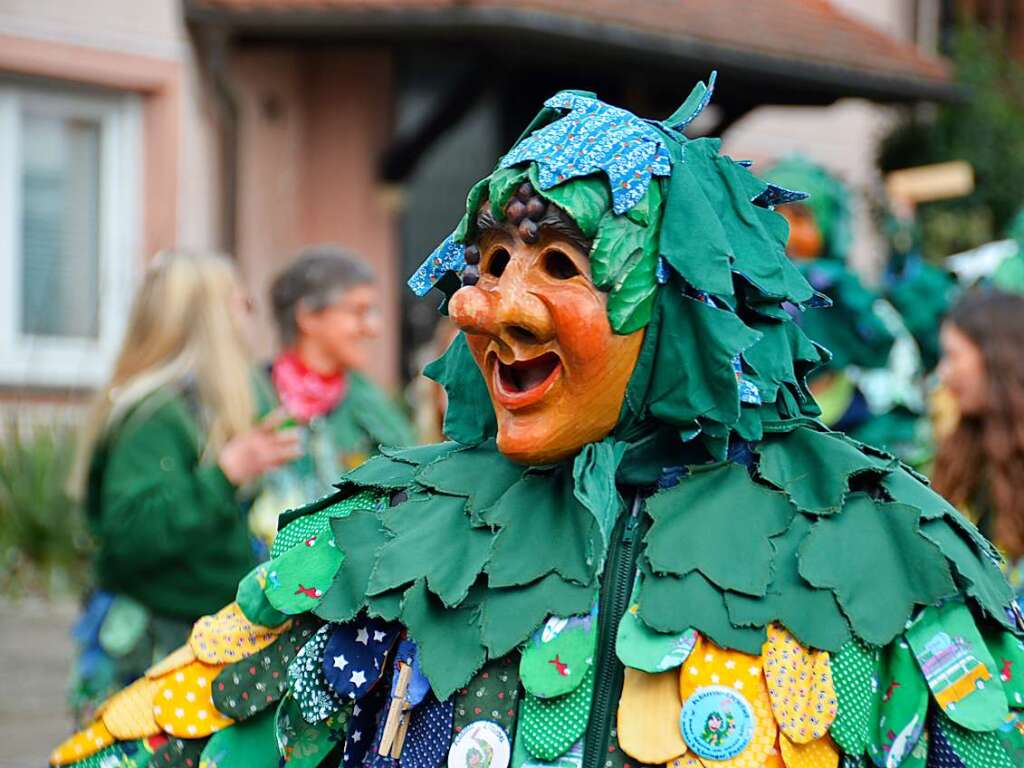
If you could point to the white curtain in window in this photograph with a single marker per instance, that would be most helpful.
(60, 225)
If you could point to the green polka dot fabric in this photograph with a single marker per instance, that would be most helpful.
(492, 694)
(313, 696)
(976, 749)
(549, 727)
(247, 687)
(853, 670)
(302, 528)
(853, 761)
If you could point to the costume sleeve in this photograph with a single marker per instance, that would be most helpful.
(157, 497)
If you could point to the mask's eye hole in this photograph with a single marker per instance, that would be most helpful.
(497, 262)
(559, 265)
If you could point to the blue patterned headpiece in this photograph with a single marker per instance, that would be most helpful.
(590, 137)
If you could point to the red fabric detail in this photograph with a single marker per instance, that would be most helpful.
(304, 393)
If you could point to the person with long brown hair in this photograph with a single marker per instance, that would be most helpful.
(166, 447)
(980, 464)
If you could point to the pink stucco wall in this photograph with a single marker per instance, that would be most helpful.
(312, 126)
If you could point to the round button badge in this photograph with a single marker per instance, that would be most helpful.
(717, 723)
(481, 744)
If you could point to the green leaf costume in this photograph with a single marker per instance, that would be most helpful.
(718, 521)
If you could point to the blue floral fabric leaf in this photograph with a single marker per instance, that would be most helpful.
(594, 137)
(449, 256)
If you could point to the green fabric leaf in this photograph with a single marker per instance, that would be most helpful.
(548, 727)
(467, 225)
(557, 658)
(815, 468)
(854, 674)
(307, 745)
(640, 647)
(359, 536)
(975, 572)
(695, 526)
(693, 375)
(431, 538)
(381, 472)
(247, 687)
(387, 606)
(875, 559)
(673, 604)
(503, 184)
(492, 694)
(461, 472)
(593, 474)
(300, 529)
(470, 416)
(623, 262)
(537, 516)
(811, 614)
(1008, 653)
(250, 744)
(253, 601)
(977, 750)
(958, 667)
(693, 240)
(900, 706)
(449, 639)
(584, 198)
(298, 579)
(509, 616)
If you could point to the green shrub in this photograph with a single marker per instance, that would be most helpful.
(44, 546)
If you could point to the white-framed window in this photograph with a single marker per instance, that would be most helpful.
(70, 214)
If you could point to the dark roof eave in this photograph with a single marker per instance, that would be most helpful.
(452, 22)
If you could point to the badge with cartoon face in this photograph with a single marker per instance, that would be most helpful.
(717, 722)
(481, 744)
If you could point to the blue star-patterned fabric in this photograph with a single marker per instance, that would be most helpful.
(354, 656)
(449, 256)
(593, 137)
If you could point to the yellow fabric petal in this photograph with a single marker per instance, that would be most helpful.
(821, 753)
(799, 686)
(128, 714)
(172, 661)
(183, 705)
(689, 760)
(228, 636)
(648, 718)
(84, 743)
(709, 665)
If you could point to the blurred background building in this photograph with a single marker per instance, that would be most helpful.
(257, 126)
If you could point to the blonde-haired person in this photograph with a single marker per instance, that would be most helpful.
(168, 443)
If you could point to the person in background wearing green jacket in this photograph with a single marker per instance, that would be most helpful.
(168, 443)
(326, 309)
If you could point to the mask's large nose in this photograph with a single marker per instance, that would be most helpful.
(510, 312)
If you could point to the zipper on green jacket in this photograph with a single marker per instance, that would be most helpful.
(616, 586)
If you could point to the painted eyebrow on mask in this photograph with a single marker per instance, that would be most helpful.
(555, 221)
